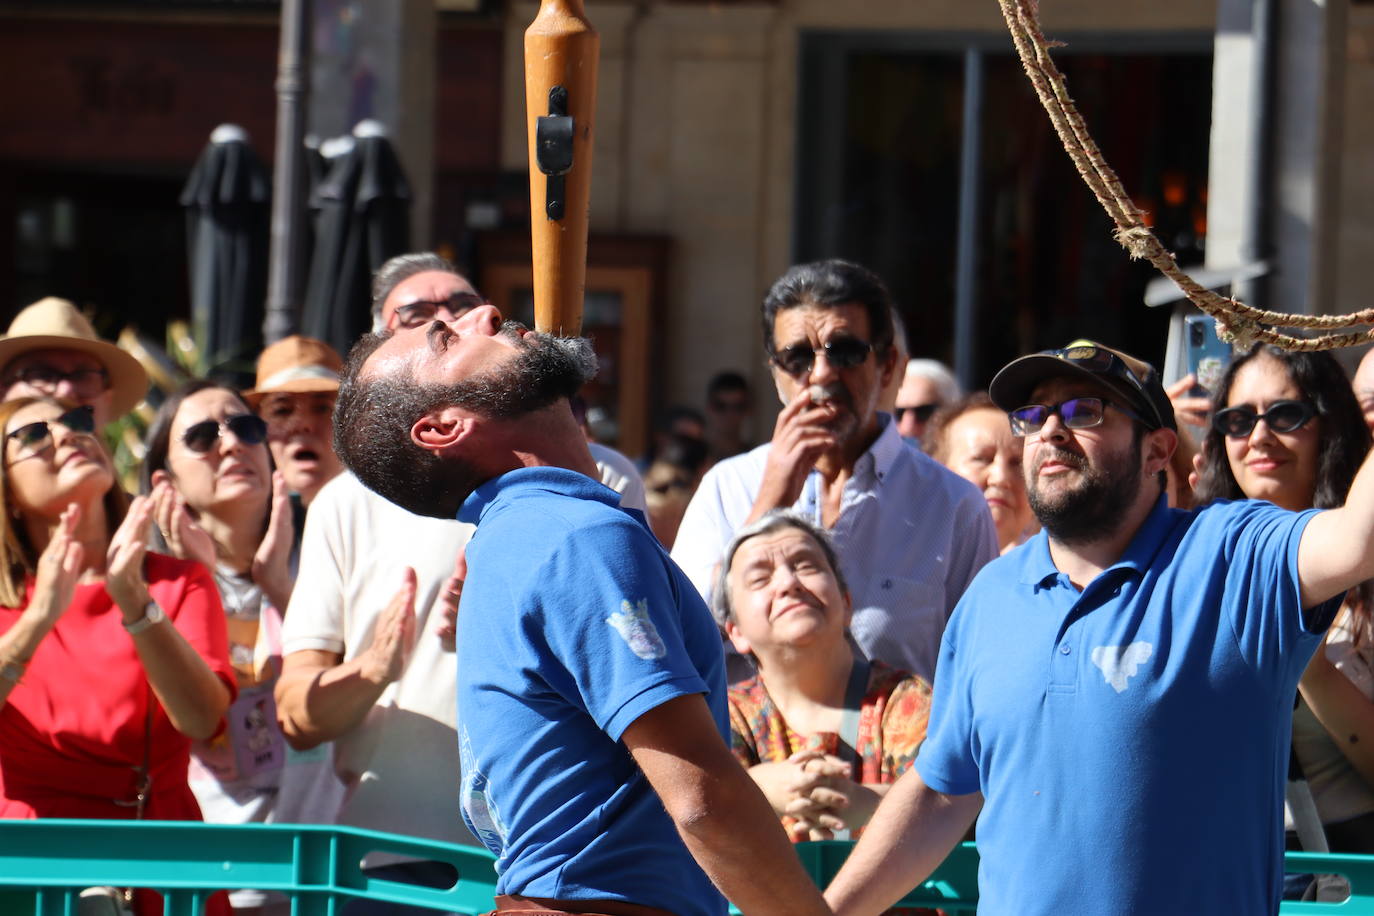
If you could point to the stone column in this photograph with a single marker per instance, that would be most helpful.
(1302, 148)
(376, 59)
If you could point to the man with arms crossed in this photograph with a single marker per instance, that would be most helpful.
(590, 674)
(1116, 695)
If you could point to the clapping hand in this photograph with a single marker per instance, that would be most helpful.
(393, 635)
(124, 578)
(449, 596)
(272, 563)
(184, 537)
(59, 568)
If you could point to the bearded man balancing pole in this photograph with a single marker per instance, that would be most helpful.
(591, 692)
(1116, 695)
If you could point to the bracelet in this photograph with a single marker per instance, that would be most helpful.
(11, 670)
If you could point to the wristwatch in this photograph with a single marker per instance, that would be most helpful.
(152, 615)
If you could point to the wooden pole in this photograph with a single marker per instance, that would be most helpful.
(561, 52)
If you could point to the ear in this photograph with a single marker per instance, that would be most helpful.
(161, 477)
(1159, 447)
(443, 429)
(737, 639)
(848, 609)
(887, 365)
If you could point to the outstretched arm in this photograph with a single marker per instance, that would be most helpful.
(913, 830)
(1337, 549)
(722, 816)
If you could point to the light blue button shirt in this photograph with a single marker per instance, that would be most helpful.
(910, 536)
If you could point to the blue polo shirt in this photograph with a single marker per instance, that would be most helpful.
(1131, 739)
(574, 624)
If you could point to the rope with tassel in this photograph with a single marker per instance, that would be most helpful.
(1237, 322)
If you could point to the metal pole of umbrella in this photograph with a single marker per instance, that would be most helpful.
(286, 271)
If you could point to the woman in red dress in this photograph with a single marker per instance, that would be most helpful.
(112, 659)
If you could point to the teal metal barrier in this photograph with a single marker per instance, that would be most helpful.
(45, 864)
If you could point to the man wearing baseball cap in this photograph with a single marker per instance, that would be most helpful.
(1114, 698)
(51, 350)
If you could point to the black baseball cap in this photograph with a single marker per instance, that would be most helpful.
(1133, 380)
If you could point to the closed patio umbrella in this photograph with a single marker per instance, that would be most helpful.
(227, 199)
(362, 217)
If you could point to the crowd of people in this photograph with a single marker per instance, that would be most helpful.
(1077, 608)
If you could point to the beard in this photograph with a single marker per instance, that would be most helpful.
(1094, 507)
(545, 369)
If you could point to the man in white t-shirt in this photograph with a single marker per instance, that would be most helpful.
(366, 665)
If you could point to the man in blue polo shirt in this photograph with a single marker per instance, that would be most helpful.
(591, 689)
(1115, 696)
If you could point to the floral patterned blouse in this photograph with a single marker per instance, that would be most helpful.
(892, 724)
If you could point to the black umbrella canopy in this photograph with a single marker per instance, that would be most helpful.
(228, 199)
(362, 218)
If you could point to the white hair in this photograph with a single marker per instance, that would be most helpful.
(938, 374)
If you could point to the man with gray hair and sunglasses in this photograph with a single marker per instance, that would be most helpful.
(1115, 697)
(910, 533)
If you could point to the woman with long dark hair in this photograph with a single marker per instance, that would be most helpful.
(223, 505)
(1288, 429)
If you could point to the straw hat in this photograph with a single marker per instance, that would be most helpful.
(296, 365)
(56, 324)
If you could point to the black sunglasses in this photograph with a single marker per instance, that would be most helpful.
(1076, 413)
(1281, 417)
(923, 412)
(414, 314)
(248, 428)
(36, 436)
(840, 353)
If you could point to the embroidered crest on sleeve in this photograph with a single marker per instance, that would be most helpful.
(1120, 663)
(478, 809)
(634, 626)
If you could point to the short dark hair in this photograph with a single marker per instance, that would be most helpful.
(372, 421)
(728, 380)
(829, 284)
(401, 268)
(1344, 439)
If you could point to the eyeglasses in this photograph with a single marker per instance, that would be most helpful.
(36, 436)
(1281, 417)
(86, 383)
(248, 428)
(414, 314)
(923, 412)
(1076, 413)
(840, 353)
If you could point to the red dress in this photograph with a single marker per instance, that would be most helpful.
(76, 725)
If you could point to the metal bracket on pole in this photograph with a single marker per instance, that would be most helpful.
(553, 139)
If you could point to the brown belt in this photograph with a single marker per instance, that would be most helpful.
(544, 906)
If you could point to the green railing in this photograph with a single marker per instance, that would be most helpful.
(45, 864)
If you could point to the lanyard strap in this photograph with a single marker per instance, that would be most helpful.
(853, 700)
